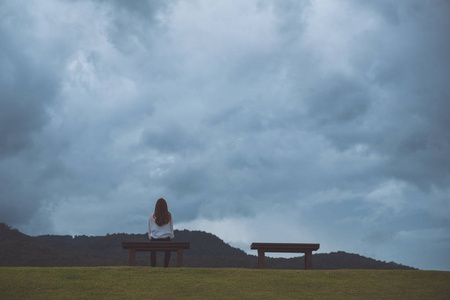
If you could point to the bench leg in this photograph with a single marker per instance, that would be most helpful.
(308, 260)
(261, 255)
(180, 258)
(132, 257)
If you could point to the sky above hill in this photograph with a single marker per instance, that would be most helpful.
(258, 121)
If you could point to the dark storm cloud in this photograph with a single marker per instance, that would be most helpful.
(338, 101)
(397, 102)
(27, 88)
(29, 85)
(132, 23)
(170, 138)
(330, 116)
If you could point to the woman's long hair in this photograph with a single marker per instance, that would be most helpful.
(162, 215)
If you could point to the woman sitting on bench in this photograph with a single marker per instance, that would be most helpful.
(160, 228)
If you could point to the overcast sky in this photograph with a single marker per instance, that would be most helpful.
(258, 121)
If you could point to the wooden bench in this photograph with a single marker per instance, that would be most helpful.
(156, 246)
(284, 247)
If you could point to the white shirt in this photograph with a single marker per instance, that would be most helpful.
(159, 232)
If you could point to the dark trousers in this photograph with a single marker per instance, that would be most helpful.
(166, 256)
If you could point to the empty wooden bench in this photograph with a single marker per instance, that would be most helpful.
(156, 246)
(285, 247)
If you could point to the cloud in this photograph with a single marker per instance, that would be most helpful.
(331, 117)
(28, 86)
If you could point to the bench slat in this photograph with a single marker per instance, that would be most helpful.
(284, 247)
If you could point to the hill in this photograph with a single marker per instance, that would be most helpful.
(207, 251)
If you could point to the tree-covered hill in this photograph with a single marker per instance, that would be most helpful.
(207, 250)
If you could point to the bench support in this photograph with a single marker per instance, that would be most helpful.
(179, 258)
(155, 246)
(261, 256)
(132, 257)
(308, 260)
(307, 249)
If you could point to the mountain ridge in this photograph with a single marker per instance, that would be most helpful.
(207, 250)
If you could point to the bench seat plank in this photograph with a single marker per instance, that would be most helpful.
(284, 247)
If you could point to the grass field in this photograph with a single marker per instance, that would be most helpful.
(195, 283)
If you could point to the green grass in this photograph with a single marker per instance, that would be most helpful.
(196, 283)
